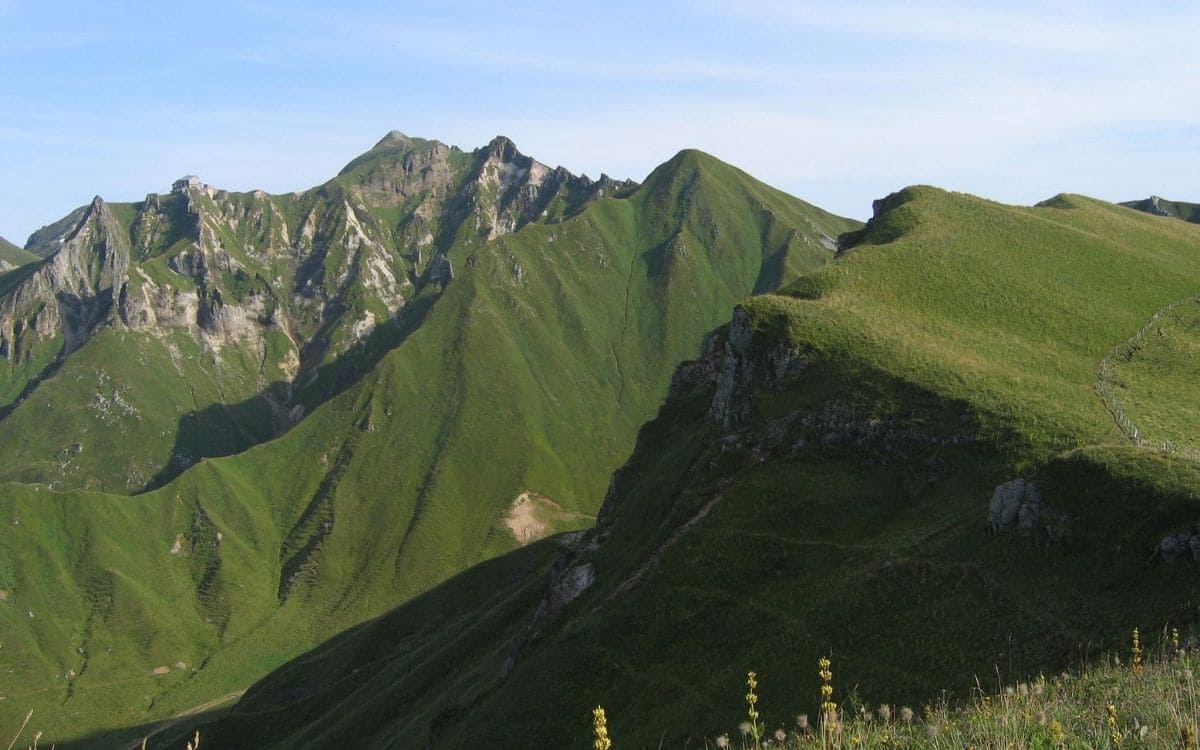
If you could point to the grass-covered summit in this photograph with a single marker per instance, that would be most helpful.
(536, 329)
(905, 459)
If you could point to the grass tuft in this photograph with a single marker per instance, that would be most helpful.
(1106, 705)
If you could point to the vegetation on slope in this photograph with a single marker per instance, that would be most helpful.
(831, 478)
(529, 371)
(1154, 379)
(12, 256)
(269, 304)
(1132, 700)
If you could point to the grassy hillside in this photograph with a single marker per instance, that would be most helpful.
(12, 256)
(529, 372)
(831, 478)
(127, 407)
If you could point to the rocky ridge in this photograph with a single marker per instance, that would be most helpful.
(273, 289)
(1159, 206)
(240, 262)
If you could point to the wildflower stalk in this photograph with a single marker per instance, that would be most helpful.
(1114, 733)
(1058, 735)
(828, 707)
(756, 728)
(829, 723)
(600, 730)
(1136, 653)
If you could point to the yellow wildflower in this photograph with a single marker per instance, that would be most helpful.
(824, 671)
(1136, 653)
(600, 729)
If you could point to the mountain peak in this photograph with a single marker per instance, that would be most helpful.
(392, 139)
(503, 147)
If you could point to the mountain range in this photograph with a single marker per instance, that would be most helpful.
(965, 447)
(454, 447)
(236, 424)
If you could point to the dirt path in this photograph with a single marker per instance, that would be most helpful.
(1106, 384)
(657, 554)
(180, 717)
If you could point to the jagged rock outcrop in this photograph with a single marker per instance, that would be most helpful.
(74, 292)
(1016, 503)
(47, 240)
(735, 369)
(740, 364)
(1181, 545)
(441, 271)
(226, 267)
(1162, 207)
(271, 290)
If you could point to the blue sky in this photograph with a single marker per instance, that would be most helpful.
(836, 102)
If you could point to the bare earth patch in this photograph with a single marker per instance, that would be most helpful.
(533, 516)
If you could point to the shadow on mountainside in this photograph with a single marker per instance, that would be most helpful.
(426, 639)
(168, 734)
(844, 509)
(226, 429)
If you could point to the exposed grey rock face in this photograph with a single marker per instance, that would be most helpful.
(492, 191)
(241, 264)
(735, 369)
(837, 426)
(1015, 503)
(47, 240)
(569, 579)
(276, 301)
(1182, 545)
(441, 271)
(565, 588)
(1162, 207)
(697, 372)
(75, 291)
(741, 364)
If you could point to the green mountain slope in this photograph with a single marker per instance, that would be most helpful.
(12, 256)
(1163, 207)
(233, 314)
(905, 459)
(499, 401)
